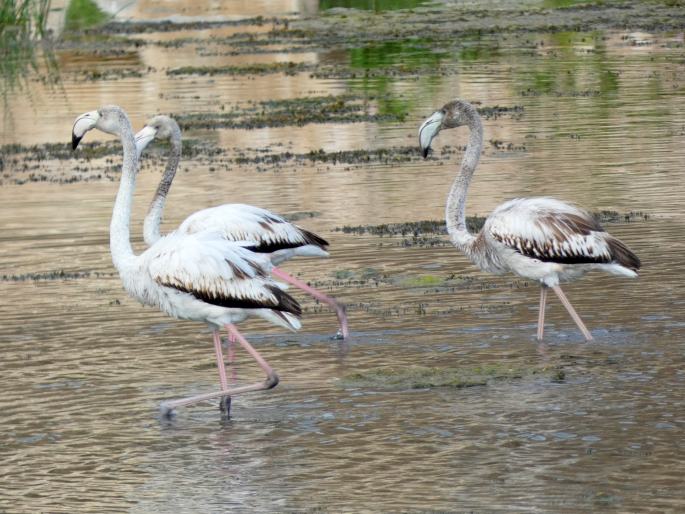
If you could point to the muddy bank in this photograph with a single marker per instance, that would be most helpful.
(473, 223)
(431, 25)
(447, 23)
(292, 112)
(143, 27)
(98, 161)
(55, 275)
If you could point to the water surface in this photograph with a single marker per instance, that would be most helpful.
(84, 368)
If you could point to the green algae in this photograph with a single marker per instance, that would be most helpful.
(144, 27)
(411, 228)
(288, 68)
(422, 281)
(473, 223)
(291, 112)
(83, 14)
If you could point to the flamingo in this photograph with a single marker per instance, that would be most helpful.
(542, 239)
(198, 276)
(274, 236)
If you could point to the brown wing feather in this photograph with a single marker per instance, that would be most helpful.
(309, 238)
(623, 255)
(562, 226)
(279, 300)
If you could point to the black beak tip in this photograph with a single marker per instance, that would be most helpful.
(75, 141)
(425, 151)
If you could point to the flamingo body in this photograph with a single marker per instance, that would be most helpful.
(272, 235)
(541, 239)
(199, 276)
(549, 241)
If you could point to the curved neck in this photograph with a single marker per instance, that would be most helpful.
(153, 220)
(455, 212)
(119, 230)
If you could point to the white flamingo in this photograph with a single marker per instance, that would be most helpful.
(541, 239)
(274, 236)
(200, 276)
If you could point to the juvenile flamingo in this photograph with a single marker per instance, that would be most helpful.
(199, 276)
(541, 239)
(275, 237)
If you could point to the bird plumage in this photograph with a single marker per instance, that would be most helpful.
(271, 235)
(199, 276)
(562, 240)
(203, 277)
(542, 239)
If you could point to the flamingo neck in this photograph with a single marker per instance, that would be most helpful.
(455, 211)
(119, 230)
(153, 220)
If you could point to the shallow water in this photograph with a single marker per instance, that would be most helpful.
(84, 368)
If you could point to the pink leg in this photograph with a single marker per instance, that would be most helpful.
(225, 404)
(231, 348)
(339, 309)
(220, 360)
(271, 379)
(541, 313)
(572, 312)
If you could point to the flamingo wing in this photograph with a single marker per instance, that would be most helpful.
(240, 222)
(217, 272)
(553, 231)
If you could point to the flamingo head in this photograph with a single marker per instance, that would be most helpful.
(108, 119)
(158, 127)
(452, 115)
(429, 129)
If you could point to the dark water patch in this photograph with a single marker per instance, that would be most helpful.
(317, 71)
(415, 228)
(497, 111)
(113, 73)
(91, 47)
(370, 5)
(473, 223)
(291, 112)
(422, 377)
(54, 275)
(20, 164)
(343, 73)
(618, 217)
(442, 24)
(301, 215)
(586, 93)
(288, 68)
(435, 27)
(142, 27)
(94, 150)
(380, 155)
(503, 146)
(17, 153)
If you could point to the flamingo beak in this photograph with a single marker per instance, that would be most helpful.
(428, 130)
(83, 124)
(144, 137)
